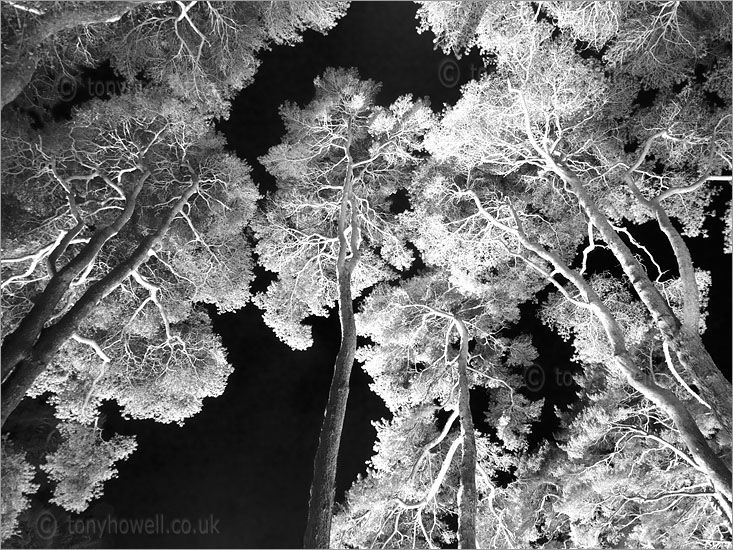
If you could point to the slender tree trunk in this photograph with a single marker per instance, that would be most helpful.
(320, 506)
(51, 338)
(323, 485)
(467, 491)
(467, 495)
(20, 63)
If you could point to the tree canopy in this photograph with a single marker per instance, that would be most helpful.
(547, 159)
(566, 183)
(204, 52)
(121, 222)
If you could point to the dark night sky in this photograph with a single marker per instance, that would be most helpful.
(247, 458)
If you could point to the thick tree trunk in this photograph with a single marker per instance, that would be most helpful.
(688, 348)
(23, 57)
(691, 294)
(698, 367)
(467, 491)
(717, 471)
(18, 345)
(323, 485)
(53, 337)
(708, 462)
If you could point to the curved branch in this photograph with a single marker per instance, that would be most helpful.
(436, 483)
(449, 423)
(670, 366)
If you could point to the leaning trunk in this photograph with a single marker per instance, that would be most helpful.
(717, 471)
(688, 348)
(323, 485)
(18, 345)
(696, 362)
(687, 345)
(467, 491)
(51, 338)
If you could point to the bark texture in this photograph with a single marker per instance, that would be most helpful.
(320, 507)
(323, 485)
(467, 490)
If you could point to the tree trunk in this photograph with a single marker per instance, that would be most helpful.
(467, 491)
(691, 354)
(687, 345)
(320, 506)
(717, 471)
(18, 345)
(53, 337)
(21, 61)
(323, 485)
(697, 365)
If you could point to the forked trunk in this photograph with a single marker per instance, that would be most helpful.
(323, 485)
(51, 338)
(18, 345)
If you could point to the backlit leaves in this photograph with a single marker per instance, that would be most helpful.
(82, 463)
(17, 487)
